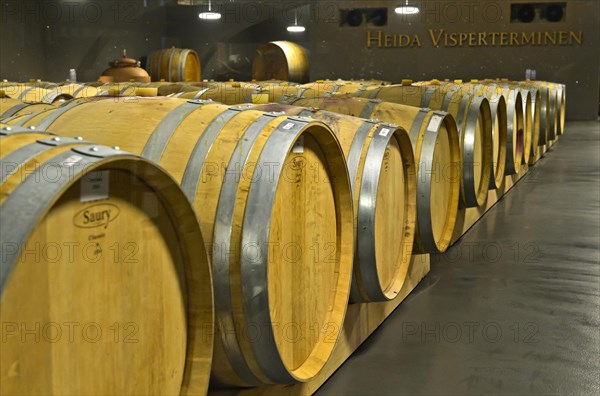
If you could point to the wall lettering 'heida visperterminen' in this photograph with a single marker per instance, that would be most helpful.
(442, 38)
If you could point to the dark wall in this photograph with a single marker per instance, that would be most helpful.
(45, 38)
(21, 43)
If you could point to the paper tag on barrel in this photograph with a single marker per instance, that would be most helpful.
(434, 123)
(94, 186)
(384, 132)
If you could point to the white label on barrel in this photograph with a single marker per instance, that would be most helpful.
(298, 146)
(434, 123)
(72, 160)
(384, 132)
(288, 126)
(94, 186)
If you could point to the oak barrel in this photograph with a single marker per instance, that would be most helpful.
(14, 108)
(434, 137)
(104, 286)
(271, 83)
(473, 118)
(174, 65)
(532, 107)
(79, 90)
(273, 197)
(555, 108)
(498, 112)
(383, 179)
(229, 93)
(280, 60)
(547, 115)
(528, 108)
(321, 88)
(33, 93)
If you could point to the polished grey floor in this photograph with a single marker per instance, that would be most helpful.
(514, 307)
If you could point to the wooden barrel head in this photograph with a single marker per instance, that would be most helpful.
(536, 122)
(302, 271)
(395, 214)
(477, 151)
(515, 133)
(174, 65)
(478, 156)
(527, 124)
(105, 265)
(442, 184)
(499, 131)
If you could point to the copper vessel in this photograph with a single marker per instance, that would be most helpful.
(124, 69)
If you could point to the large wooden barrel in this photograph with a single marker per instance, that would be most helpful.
(14, 108)
(544, 109)
(321, 88)
(528, 103)
(272, 83)
(168, 89)
(499, 115)
(473, 118)
(273, 93)
(163, 88)
(273, 197)
(280, 60)
(229, 93)
(549, 115)
(174, 65)
(536, 111)
(434, 137)
(34, 93)
(105, 288)
(127, 89)
(383, 179)
(555, 107)
(498, 112)
(22, 118)
(366, 82)
(71, 90)
(516, 109)
(78, 90)
(532, 107)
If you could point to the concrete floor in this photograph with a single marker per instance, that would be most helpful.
(512, 308)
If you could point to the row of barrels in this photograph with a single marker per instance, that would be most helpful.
(280, 235)
(301, 205)
(229, 92)
(501, 124)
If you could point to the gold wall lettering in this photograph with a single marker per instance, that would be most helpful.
(442, 38)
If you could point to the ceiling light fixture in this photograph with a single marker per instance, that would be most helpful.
(406, 9)
(209, 15)
(295, 28)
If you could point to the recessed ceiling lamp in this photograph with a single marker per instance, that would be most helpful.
(295, 28)
(209, 15)
(406, 9)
